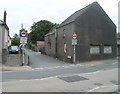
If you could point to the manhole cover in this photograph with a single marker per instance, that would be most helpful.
(73, 78)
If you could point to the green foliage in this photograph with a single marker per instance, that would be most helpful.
(39, 30)
(118, 35)
(15, 40)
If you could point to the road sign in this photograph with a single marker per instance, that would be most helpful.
(23, 33)
(74, 36)
(23, 40)
(23, 36)
(74, 41)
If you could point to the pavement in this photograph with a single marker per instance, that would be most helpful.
(13, 68)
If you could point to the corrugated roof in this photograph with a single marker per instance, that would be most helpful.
(75, 15)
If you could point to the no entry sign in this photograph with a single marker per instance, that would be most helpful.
(23, 33)
(23, 36)
(74, 39)
(74, 36)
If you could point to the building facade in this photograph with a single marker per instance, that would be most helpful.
(40, 45)
(118, 38)
(4, 33)
(96, 36)
(50, 44)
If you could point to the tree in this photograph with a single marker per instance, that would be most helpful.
(39, 30)
(15, 40)
(118, 34)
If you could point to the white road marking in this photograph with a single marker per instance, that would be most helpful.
(57, 67)
(92, 90)
(90, 73)
(41, 79)
(115, 63)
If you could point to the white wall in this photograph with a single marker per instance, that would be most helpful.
(9, 41)
(0, 43)
(6, 39)
(3, 39)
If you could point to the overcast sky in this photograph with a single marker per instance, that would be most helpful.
(29, 11)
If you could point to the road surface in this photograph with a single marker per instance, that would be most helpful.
(51, 75)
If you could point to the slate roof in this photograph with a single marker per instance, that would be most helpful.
(78, 13)
(75, 15)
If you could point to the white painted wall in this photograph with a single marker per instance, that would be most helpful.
(6, 39)
(0, 43)
(9, 41)
(3, 41)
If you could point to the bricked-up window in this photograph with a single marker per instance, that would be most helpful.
(94, 49)
(107, 49)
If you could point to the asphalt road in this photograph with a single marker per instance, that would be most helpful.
(56, 71)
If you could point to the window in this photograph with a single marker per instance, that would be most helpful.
(107, 49)
(94, 49)
(65, 48)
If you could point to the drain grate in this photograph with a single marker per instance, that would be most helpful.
(73, 78)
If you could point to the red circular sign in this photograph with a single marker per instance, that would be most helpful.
(23, 33)
(74, 36)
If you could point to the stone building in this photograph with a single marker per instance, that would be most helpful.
(50, 43)
(40, 45)
(96, 36)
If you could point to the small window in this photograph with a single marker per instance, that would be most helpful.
(107, 49)
(94, 49)
(65, 48)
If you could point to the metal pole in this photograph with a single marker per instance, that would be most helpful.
(23, 56)
(74, 55)
(22, 26)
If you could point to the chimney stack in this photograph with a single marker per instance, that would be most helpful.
(4, 19)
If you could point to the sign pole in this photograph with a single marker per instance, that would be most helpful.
(74, 54)
(23, 55)
(74, 43)
(23, 41)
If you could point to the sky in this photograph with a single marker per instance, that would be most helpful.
(27, 12)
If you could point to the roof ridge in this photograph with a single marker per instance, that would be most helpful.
(73, 16)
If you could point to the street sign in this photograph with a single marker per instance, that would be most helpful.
(23, 36)
(74, 41)
(23, 40)
(74, 36)
(23, 33)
